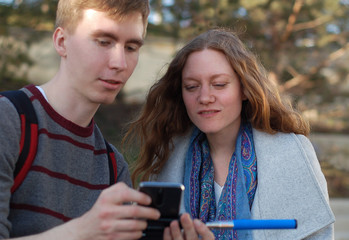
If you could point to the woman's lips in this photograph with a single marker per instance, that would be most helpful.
(207, 113)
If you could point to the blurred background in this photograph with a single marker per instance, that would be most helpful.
(302, 43)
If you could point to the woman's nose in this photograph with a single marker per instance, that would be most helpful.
(206, 95)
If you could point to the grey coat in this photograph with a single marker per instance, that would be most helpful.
(290, 185)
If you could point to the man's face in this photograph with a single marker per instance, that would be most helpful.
(101, 54)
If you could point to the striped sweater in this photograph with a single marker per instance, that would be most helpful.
(69, 171)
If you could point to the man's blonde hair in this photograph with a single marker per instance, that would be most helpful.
(70, 12)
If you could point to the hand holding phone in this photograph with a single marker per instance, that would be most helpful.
(166, 197)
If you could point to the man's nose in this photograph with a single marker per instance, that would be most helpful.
(118, 58)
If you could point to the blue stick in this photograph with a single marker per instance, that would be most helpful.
(255, 224)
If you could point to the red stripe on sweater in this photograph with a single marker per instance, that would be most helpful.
(69, 179)
(40, 210)
(112, 156)
(76, 129)
(72, 141)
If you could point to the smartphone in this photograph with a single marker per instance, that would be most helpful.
(166, 197)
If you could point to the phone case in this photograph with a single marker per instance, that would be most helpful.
(166, 198)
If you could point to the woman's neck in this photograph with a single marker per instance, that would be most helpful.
(222, 148)
(221, 156)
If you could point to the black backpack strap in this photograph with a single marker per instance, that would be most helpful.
(29, 134)
(112, 164)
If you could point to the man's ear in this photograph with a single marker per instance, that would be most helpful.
(59, 38)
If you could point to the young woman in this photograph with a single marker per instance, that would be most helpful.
(216, 123)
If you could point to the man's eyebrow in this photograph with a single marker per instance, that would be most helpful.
(138, 41)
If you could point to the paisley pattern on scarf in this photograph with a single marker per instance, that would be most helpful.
(249, 163)
(202, 197)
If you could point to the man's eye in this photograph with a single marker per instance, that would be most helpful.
(103, 42)
(132, 48)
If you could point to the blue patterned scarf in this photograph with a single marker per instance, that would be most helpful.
(239, 189)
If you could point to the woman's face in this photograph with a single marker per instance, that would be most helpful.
(212, 92)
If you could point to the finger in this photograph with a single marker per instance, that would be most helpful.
(121, 193)
(175, 230)
(203, 230)
(167, 234)
(127, 235)
(125, 225)
(131, 211)
(188, 226)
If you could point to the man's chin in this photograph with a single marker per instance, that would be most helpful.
(104, 100)
(108, 101)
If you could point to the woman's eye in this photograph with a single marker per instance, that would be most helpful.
(190, 87)
(219, 85)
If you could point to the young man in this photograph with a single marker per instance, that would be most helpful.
(65, 194)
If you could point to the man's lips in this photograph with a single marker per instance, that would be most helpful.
(111, 81)
(111, 84)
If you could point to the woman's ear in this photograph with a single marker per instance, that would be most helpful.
(59, 41)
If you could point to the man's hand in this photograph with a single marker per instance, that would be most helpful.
(110, 218)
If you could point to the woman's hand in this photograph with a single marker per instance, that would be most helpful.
(192, 230)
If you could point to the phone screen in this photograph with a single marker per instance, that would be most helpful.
(166, 197)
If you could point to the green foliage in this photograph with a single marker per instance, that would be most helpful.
(14, 61)
(38, 15)
(302, 43)
(294, 39)
(20, 25)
